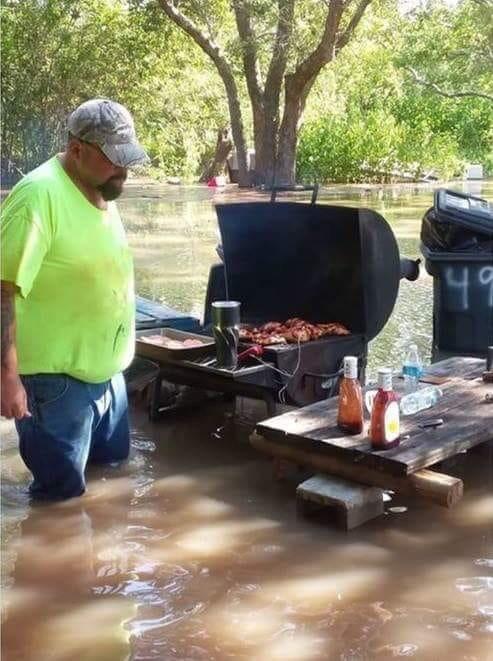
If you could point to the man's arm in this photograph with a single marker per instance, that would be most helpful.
(13, 395)
(9, 354)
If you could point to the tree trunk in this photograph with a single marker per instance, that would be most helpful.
(286, 157)
(258, 142)
(266, 133)
(275, 147)
(270, 142)
(226, 72)
(236, 125)
(288, 133)
(265, 140)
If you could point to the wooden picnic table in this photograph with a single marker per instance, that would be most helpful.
(310, 436)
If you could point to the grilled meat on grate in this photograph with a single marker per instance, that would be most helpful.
(291, 331)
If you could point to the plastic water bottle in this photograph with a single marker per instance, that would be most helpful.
(419, 400)
(412, 369)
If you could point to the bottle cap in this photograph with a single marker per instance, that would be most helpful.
(385, 378)
(351, 367)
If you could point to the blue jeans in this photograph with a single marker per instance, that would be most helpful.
(72, 423)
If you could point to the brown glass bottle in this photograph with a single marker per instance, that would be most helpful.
(385, 425)
(350, 414)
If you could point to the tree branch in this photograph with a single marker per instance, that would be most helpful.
(450, 95)
(324, 52)
(248, 50)
(488, 4)
(206, 43)
(299, 84)
(201, 10)
(279, 59)
(345, 37)
(225, 71)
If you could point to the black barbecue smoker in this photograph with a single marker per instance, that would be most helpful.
(318, 262)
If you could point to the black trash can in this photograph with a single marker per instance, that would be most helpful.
(457, 243)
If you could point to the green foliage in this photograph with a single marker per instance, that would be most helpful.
(450, 47)
(57, 53)
(371, 147)
(368, 117)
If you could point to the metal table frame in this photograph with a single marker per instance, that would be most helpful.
(256, 382)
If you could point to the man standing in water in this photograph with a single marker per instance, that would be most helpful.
(68, 303)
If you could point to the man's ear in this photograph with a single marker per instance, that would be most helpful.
(74, 147)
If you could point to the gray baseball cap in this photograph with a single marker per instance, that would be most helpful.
(109, 125)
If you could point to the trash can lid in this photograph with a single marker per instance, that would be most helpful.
(468, 211)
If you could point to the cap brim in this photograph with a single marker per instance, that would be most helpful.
(126, 155)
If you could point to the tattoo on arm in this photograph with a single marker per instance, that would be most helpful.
(9, 354)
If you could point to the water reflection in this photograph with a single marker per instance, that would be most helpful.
(50, 604)
(191, 551)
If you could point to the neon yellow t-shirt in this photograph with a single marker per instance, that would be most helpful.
(75, 310)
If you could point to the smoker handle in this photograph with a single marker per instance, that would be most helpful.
(410, 269)
(362, 362)
(330, 382)
(326, 377)
(276, 189)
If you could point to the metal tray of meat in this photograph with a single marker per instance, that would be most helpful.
(161, 353)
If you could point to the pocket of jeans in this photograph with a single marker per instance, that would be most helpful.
(48, 388)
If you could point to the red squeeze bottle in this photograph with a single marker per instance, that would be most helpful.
(385, 419)
(350, 415)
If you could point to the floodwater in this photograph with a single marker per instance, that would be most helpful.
(174, 233)
(193, 550)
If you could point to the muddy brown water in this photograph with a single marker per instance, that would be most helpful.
(194, 551)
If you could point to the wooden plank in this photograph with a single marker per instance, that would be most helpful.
(424, 447)
(468, 420)
(439, 488)
(458, 367)
(354, 504)
(310, 417)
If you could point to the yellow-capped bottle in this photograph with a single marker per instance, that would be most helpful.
(385, 417)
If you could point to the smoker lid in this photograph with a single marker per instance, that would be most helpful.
(319, 262)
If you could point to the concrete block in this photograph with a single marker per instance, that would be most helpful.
(351, 503)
